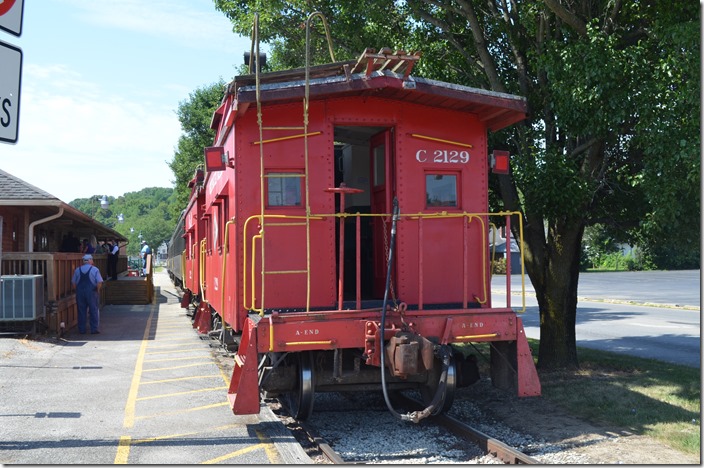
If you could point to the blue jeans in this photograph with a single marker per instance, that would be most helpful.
(87, 299)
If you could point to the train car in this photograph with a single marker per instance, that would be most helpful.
(174, 253)
(190, 229)
(340, 235)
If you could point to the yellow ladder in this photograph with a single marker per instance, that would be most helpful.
(262, 217)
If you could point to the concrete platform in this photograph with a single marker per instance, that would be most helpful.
(146, 390)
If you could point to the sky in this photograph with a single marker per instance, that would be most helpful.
(100, 86)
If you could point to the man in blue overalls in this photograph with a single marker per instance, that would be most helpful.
(87, 281)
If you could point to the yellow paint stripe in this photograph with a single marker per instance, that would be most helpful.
(181, 340)
(186, 358)
(137, 376)
(182, 411)
(172, 344)
(159, 438)
(269, 448)
(123, 451)
(167, 395)
(168, 333)
(215, 461)
(176, 436)
(159, 369)
(175, 351)
(180, 379)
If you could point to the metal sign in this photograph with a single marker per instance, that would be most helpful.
(10, 83)
(11, 16)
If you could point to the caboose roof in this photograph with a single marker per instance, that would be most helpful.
(496, 110)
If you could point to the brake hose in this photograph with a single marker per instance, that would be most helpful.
(414, 416)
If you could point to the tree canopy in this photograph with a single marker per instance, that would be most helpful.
(195, 115)
(146, 213)
(612, 134)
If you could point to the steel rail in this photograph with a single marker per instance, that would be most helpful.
(492, 446)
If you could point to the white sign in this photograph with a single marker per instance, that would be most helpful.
(11, 16)
(10, 78)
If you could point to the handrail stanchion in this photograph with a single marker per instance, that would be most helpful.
(508, 261)
(358, 250)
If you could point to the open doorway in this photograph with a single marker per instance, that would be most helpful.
(363, 161)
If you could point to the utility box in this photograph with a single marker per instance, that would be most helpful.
(21, 298)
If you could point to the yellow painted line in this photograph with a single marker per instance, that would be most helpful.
(167, 395)
(215, 461)
(159, 438)
(183, 340)
(175, 351)
(137, 376)
(123, 451)
(182, 411)
(271, 452)
(176, 436)
(178, 359)
(159, 369)
(185, 343)
(181, 378)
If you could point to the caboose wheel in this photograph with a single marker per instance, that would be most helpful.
(428, 391)
(300, 400)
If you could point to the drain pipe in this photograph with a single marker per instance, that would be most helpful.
(30, 234)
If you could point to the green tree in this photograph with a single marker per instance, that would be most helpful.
(612, 90)
(147, 212)
(195, 115)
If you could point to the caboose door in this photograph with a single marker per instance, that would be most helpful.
(382, 191)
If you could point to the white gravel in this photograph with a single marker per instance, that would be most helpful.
(361, 429)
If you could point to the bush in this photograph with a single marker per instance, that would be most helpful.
(499, 266)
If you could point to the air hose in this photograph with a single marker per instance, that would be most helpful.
(414, 416)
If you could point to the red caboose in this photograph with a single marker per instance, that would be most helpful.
(302, 256)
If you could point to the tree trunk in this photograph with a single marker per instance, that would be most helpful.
(557, 296)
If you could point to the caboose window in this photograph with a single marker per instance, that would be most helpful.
(284, 189)
(440, 190)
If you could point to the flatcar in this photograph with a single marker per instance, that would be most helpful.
(338, 236)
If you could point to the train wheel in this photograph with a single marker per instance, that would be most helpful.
(300, 400)
(428, 391)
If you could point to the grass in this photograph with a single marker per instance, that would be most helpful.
(643, 396)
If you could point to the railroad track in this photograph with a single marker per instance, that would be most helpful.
(489, 446)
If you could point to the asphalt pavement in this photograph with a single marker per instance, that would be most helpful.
(666, 288)
(648, 314)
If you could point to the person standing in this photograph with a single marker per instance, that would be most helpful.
(146, 250)
(87, 281)
(113, 253)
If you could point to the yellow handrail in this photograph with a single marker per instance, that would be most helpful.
(225, 250)
(201, 268)
(484, 249)
(250, 279)
(260, 218)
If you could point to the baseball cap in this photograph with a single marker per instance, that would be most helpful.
(87, 257)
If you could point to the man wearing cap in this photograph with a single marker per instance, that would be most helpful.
(146, 250)
(87, 281)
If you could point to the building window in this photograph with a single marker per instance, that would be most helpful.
(284, 189)
(440, 190)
